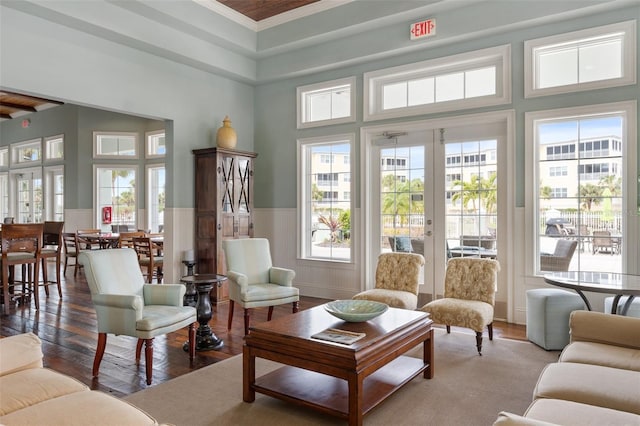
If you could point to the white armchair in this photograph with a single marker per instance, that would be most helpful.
(126, 305)
(253, 281)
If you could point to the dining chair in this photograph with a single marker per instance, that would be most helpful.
(51, 249)
(21, 245)
(397, 280)
(126, 305)
(469, 296)
(601, 240)
(85, 239)
(125, 240)
(253, 280)
(149, 258)
(70, 251)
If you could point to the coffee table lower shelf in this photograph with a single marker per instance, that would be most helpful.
(327, 394)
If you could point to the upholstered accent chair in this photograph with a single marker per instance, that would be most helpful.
(469, 296)
(397, 280)
(561, 257)
(253, 280)
(126, 305)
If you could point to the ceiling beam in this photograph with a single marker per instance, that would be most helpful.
(18, 106)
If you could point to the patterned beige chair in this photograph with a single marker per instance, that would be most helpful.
(469, 296)
(397, 276)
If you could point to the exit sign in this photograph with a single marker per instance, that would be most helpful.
(426, 28)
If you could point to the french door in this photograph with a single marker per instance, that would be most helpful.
(435, 191)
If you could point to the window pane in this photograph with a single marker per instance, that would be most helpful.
(557, 68)
(421, 91)
(450, 87)
(116, 189)
(394, 95)
(480, 82)
(319, 106)
(586, 201)
(327, 205)
(601, 61)
(341, 103)
(116, 145)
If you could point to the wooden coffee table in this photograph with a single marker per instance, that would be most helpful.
(343, 381)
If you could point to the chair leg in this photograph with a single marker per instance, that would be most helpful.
(448, 329)
(148, 358)
(296, 307)
(490, 328)
(247, 315)
(58, 277)
(102, 344)
(139, 350)
(230, 319)
(479, 342)
(45, 277)
(192, 341)
(34, 280)
(270, 314)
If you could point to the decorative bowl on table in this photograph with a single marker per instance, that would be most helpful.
(355, 310)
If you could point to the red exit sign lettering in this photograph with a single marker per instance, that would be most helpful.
(426, 28)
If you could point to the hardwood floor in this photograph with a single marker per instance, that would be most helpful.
(67, 329)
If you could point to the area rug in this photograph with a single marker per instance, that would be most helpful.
(467, 390)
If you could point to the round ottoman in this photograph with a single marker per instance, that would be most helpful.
(548, 311)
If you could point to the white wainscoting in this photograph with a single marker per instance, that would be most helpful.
(330, 280)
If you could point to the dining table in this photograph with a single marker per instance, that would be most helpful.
(104, 240)
(614, 283)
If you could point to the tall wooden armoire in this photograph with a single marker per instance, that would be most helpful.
(223, 207)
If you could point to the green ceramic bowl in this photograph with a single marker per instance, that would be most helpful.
(355, 310)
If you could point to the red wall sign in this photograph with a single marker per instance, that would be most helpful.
(426, 28)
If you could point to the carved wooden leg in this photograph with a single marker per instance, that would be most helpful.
(102, 344)
(490, 327)
(247, 315)
(479, 342)
(148, 358)
(448, 329)
(270, 314)
(138, 350)
(231, 304)
(192, 341)
(296, 307)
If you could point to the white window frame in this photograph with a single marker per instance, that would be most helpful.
(629, 197)
(50, 173)
(5, 207)
(97, 152)
(499, 56)
(48, 148)
(4, 158)
(17, 147)
(151, 192)
(531, 47)
(304, 189)
(96, 192)
(151, 151)
(303, 91)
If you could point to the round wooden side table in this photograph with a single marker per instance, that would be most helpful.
(205, 338)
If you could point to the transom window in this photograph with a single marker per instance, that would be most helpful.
(467, 80)
(582, 60)
(330, 102)
(26, 153)
(54, 147)
(155, 144)
(115, 145)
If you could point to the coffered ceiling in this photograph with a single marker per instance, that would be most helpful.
(14, 105)
(263, 9)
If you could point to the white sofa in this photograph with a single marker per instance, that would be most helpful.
(33, 395)
(596, 380)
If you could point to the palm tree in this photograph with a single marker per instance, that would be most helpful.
(590, 194)
(613, 183)
(397, 200)
(469, 193)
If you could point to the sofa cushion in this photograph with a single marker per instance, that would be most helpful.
(395, 298)
(81, 409)
(601, 354)
(509, 419)
(571, 413)
(20, 352)
(590, 384)
(29, 387)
